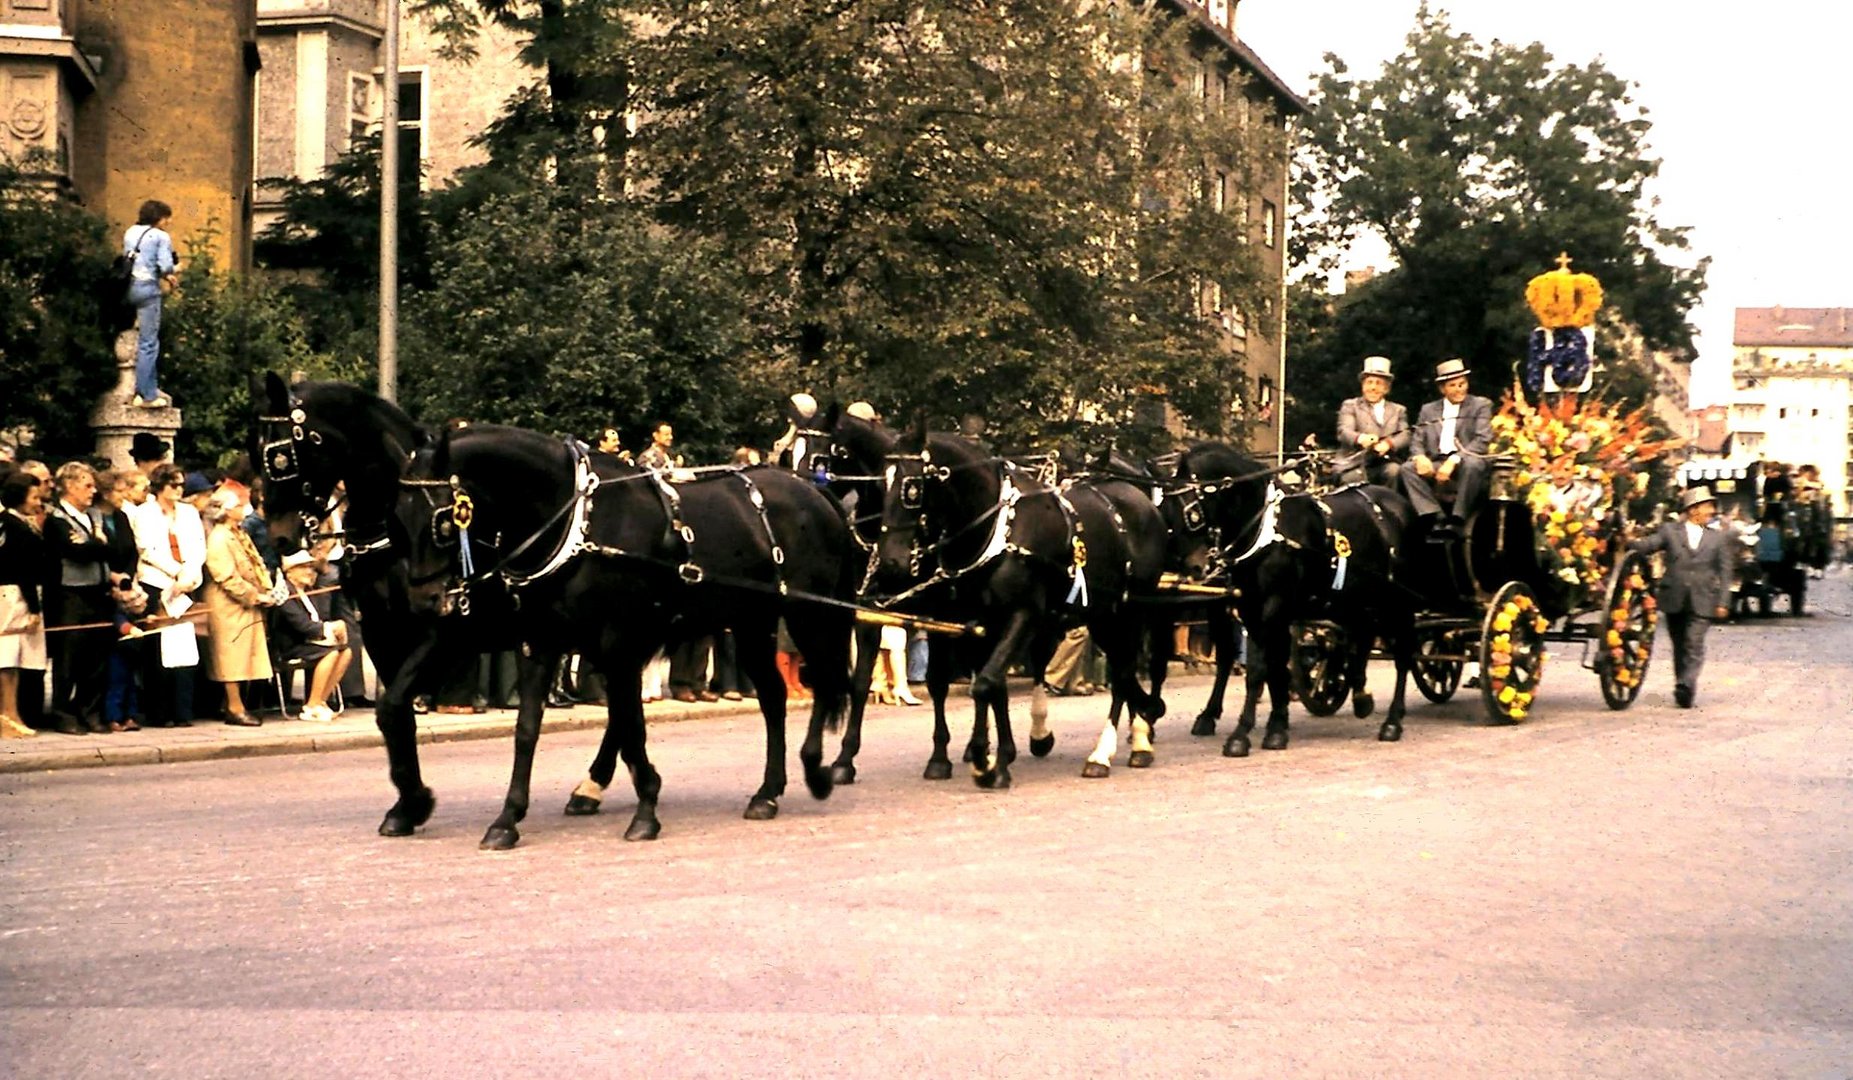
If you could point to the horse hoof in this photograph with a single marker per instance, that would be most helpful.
(937, 770)
(842, 775)
(819, 781)
(1094, 770)
(1235, 746)
(408, 813)
(1389, 732)
(643, 829)
(993, 780)
(759, 809)
(1362, 705)
(1140, 759)
(1041, 747)
(582, 806)
(1274, 740)
(500, 838)
(1205, 725)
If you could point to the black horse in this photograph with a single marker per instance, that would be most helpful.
(969, 538)
(1338, 557)
(612, 560)
(309, 439)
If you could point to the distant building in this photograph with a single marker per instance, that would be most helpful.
(1711, 431)
(116, 103)
(320, 88)
(1792, 391)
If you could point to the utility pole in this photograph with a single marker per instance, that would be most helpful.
(389, 210)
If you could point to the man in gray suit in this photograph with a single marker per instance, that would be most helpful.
(1448, 450)
(1692, 592)
(1374, 432)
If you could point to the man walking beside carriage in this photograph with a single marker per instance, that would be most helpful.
(1447, 453)
(1695, 587)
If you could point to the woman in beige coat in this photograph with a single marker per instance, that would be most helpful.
(238, 592)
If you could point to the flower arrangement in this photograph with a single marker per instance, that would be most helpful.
(1628, 640)
(1516, 655)
(1573, 460)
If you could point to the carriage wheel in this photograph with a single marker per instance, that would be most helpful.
(1437, 679)
(1628, 638)
(1317, 665)
(1511, 653)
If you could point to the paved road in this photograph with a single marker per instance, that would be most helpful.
(1650, 893)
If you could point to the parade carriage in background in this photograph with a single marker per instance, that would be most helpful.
(1777, 542)
(1544, 560)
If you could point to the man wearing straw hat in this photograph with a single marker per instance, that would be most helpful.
(1448, 450)
(1692, 592)
(1373, 432)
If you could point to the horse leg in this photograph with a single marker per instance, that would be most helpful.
(989, 687)
(1222, 640)
(1280, 691)
(536, 675)
(621, 667)
(400, 672)
(1403, 648)
(1259, 662)
(939, 681)
(1120, 642)
(868, 641)
(824, 639)
(1357, 670)
(1041, 739)
(757, 658)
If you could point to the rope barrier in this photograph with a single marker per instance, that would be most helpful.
(151, 623)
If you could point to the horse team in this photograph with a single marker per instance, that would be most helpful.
(489, 537)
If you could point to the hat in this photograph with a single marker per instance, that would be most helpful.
(1451, 369)
(195, 484)
(146, 447)
(861, 410)
(1376, 365)
(804, 405)
(297, 558)
(1694, 496)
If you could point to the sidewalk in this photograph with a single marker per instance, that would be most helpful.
(210, 739)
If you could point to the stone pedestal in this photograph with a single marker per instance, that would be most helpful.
(116, 420)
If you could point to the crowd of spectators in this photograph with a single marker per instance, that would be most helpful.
(153, 597)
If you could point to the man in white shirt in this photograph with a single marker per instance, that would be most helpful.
(1373, 432)
(1447, 454)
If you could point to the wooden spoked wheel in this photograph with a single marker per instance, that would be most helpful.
(1437, 679)
(1627, 641)
(1511, 653)
(1318, 667)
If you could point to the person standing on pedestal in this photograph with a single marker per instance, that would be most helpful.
(154, 273)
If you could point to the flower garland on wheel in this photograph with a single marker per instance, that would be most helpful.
(1630, 642)
(1517, 655)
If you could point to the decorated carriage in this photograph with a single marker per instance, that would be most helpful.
(1543, 561)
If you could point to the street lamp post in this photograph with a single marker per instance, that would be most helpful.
(389, 209)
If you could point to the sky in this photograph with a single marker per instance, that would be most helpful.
(1752, 113)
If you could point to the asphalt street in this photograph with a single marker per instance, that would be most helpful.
(1656, 892)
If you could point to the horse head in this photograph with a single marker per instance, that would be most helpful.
(1212, 508)
(312, 437)
(935, 491)
(854, 455)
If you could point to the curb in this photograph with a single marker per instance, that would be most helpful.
(500, 725)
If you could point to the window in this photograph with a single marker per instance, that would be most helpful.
(1782, 413)
(361, 112)
(1270, 223)
(1238, 323)
(1264, 399)
(412, 123)
(1220, 192)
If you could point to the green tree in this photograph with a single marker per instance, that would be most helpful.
(55, 301)
(1477, 163)
(216, 331)
(600, 321)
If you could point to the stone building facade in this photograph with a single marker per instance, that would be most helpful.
(320, 88)
(1792, 392)
(124, 103)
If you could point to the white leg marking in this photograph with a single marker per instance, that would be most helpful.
(1039, 713)
(1141, 736)
(1104, 749)
(590, 789)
